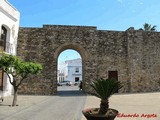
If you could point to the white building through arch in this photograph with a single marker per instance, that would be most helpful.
(69, 66)
(70, 70)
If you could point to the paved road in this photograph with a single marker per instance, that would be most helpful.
(67, 105)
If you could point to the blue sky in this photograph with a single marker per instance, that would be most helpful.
(68, 54)
(105, 14)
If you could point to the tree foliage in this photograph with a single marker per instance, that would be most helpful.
(17, 70)
(149, 27)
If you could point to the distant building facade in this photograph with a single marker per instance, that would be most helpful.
(70, 70)
(9, 25)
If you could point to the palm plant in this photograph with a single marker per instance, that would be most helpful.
(104, 88)
(148, 27)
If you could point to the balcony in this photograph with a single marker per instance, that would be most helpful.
(77, 74)
(8, 47)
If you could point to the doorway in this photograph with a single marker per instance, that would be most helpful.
(1, 80)
(113, 75)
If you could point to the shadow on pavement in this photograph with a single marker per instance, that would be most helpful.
(70, 93)
(1, 104)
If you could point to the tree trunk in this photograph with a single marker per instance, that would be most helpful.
(104, 105)
(14, 103)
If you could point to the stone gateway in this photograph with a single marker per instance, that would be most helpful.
(131, 56)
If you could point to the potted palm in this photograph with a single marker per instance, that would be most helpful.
(103, 88)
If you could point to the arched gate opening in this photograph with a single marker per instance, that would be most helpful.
(79, 50)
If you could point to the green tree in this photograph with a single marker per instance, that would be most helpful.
(17, 70)
(149, 27)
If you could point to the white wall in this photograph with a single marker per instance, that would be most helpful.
(69, 69)
(9, 18)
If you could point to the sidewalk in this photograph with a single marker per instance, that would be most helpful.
(146, 106)
(24, 102)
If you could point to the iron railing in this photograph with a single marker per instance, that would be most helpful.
(8, 48)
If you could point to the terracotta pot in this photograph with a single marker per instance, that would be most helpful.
(90, 116)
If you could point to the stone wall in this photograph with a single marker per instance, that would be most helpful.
(144, 61)
(134, 54)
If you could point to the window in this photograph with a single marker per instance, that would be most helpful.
(76, 79)
(3, 38)
(77, 69)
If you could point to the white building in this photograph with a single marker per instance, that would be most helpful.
(70, 70)
(9, 25)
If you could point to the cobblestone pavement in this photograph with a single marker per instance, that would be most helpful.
(67, 105)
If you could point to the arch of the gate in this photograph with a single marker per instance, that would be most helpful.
(75, 47)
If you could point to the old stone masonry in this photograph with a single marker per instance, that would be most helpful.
(132, 56)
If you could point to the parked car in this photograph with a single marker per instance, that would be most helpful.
(76, 83)
(68, 83)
